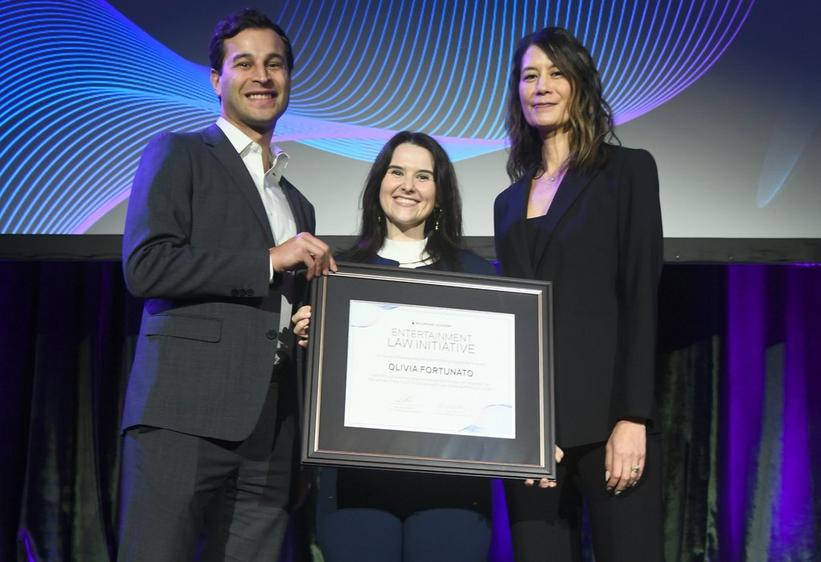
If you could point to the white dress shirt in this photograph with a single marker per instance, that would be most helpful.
(273, 198)
(280, 216)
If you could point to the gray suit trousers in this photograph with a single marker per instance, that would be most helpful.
(227, 499)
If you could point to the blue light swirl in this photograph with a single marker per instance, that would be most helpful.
(84, 88)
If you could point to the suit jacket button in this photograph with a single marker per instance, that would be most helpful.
(249, 293)
(271, 334)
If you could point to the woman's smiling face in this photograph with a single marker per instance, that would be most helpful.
(544, 91)
(408, 192)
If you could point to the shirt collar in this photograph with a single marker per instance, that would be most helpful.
(243, 144)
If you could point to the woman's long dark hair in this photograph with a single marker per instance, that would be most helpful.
(445, 241)
(590, 122)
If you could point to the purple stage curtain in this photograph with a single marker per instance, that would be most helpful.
(739, 387)
(770, 446)
(66, 339)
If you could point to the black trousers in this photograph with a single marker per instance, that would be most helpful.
(177, 488)
(546, 523)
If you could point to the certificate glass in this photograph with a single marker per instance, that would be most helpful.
(430, 371)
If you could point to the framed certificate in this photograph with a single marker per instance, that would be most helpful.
(430, 371)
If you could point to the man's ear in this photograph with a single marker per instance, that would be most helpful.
(215, 81)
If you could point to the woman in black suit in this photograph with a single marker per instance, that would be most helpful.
(584, 214)
(411, 218)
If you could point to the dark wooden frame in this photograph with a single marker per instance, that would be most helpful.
(326, 441)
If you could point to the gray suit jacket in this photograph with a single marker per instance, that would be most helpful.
(196, 247)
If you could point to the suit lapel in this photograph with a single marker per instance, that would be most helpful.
(297, 208)
(224, 151)
(573, 184)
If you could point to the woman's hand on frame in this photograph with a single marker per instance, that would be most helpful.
(302, 322)
(544, 482)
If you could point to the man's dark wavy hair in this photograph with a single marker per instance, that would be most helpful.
(239, 21)
(590, 121)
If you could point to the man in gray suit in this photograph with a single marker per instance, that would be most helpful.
(212, 236)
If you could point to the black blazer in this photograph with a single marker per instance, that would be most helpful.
(600, 244)
(196, 247)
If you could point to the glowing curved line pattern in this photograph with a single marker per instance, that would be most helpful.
(85, 88)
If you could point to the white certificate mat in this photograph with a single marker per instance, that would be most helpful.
(431, 369)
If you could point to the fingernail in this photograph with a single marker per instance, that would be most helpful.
(606, 475)
(609, 489)
(618, 492)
